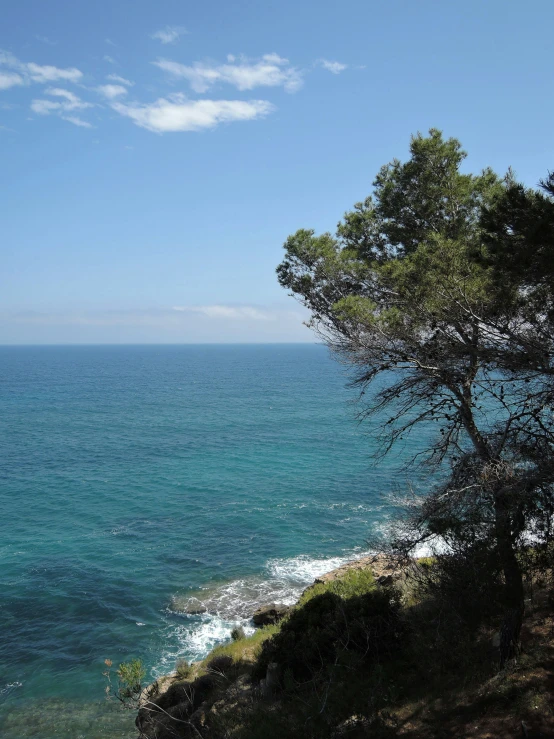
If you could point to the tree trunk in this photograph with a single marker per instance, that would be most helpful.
(513, 583)
(514, 602)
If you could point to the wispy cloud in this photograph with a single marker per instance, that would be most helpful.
(111, 92)
(179, 114)
(77, 121)
(48, 73)
(169, 34)
(66, 104)
(72, 99)
(269, 71)
(120, 80)
(10, 79)
(334, 67)
(243, 312)
(156, 326)
(168, 113)
(32, 72)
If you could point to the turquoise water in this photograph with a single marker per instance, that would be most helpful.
(140, 481)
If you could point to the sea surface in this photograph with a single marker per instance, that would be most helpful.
(141, 482)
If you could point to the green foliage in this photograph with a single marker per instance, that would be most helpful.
(518, 234)
(440, 285)
(332, 653)
(335, 624)
(131, 674)
(243, 650)
(352, 583)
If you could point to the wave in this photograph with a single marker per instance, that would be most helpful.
(197, 622)
(8, 689)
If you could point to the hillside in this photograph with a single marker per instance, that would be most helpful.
(355, 658)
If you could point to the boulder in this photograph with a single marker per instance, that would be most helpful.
(194, 607)
(270, 614)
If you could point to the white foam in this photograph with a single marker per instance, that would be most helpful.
(232, 604)
(303, 570)
(9, 687)
(196, 638)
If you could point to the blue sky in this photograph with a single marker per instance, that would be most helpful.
(155, 155)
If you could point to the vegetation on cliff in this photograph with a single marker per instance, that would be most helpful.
(356, 659)
(438, 292)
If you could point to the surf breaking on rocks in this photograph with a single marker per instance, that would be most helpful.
(197, 621)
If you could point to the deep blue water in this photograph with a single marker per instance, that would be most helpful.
(136, 478)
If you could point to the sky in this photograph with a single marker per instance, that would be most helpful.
(156, 155)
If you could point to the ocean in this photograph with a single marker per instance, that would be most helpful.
(139, 483)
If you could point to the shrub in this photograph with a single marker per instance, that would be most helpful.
(465, 586)
(221, 664)
(238, 633)
(130, 675)
(327, 630)
(244, 650)
(183, 669)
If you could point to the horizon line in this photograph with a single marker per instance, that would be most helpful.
(174, 343)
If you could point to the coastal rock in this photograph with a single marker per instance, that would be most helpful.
(194, 607)
(270, 614)
(159, 686)
(157, 715)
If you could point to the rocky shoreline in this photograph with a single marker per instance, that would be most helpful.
(385, 569)
(200, 698)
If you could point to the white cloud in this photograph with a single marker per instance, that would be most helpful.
(8, 59)
(45, 107)
(31, 72)
(48, 73)
(334, 67)
(169, 34)
(119, 80)
(63, 107)
(269, 71)
(244, 312)
(112, 91)
(180, 114)
(109, 59)
(77, 121)
(72, 100)
(10, 79)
